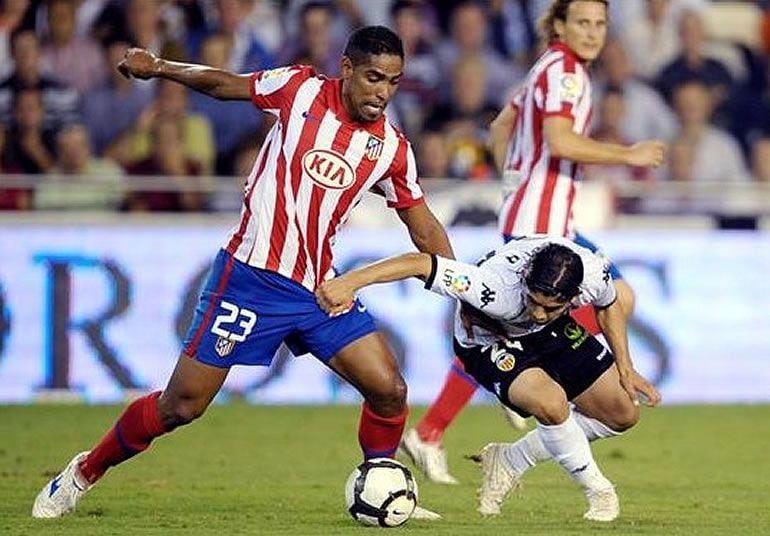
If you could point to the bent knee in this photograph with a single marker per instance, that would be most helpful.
(624, 418)
(388, 397)
(551, 410)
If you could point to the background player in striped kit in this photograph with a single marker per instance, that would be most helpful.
(329, 145)
(540, 141)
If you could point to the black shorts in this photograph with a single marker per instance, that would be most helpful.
(569, 354)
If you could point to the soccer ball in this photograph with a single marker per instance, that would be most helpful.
(381, 492)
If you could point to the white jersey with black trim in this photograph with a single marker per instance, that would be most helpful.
(496, 286)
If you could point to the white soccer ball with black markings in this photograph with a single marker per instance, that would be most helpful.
(381, 492)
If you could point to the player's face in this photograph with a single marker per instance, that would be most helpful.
(542, 309)
(585, 29)
(368, 87)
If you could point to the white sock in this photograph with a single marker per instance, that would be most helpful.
(592, 428)
(525, 453)
(569, 447)
(528, 451)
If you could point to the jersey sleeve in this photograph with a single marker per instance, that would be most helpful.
(598, 287)
(483, 289)
(401, 187)
(517, 101)
(273, 91)
(563, 84)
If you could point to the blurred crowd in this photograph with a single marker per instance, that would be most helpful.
(66, 112)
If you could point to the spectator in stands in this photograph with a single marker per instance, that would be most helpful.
(717, 155)
(60, 103)
(419, 87)
(465, 119)
(246, 53)
(647, 116)
(433, 155)
(11, 17)
(694, 63)
(30, 144)
(468, 38)
(749, 105)
(11, 198)
(231, 121)
(170, 103)
(76, 61)
(119, 99)
(612, 118)
(681, 161)
(316, 44)
(651, 41)
(79, 180)
(145, 29)
(168, 159)
(760, 160)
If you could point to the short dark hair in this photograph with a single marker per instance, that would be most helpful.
(373, 41)
(555, 271)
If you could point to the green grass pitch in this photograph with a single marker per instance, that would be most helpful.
(280, 470)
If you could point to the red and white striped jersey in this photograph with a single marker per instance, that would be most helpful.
(314, 167)
(557, 85)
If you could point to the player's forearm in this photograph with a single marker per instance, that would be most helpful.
(391, 269)
(216, 83)
(584, 150)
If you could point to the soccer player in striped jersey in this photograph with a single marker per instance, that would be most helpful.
(330, 144)
(532, 354)
(540, 142)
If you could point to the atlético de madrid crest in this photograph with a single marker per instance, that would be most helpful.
(224, 347)
(374, 147)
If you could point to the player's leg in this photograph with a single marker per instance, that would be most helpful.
(369, 366)
(190, 390)
(519, 375)
(350, 345)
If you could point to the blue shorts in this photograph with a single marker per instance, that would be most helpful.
(245, 313)
(581, 240)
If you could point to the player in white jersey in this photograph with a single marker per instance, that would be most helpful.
(330, 144)
(539, 142)
(531, 354)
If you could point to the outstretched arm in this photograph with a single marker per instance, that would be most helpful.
(336, 295)
(217, 83)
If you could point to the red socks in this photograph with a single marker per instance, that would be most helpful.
(132, 433)
(457, 391)
(586, 317)
(379, 436)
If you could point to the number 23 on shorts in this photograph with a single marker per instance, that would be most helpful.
(235, 324)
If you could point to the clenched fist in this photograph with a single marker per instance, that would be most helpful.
(139, 63)
(647, 154)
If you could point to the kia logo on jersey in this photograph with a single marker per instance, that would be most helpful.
(328, 169)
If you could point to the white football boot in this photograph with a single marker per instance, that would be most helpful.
(497, 480)
(62, 493)
(603, 505)
(430, 458)
(423, 514)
